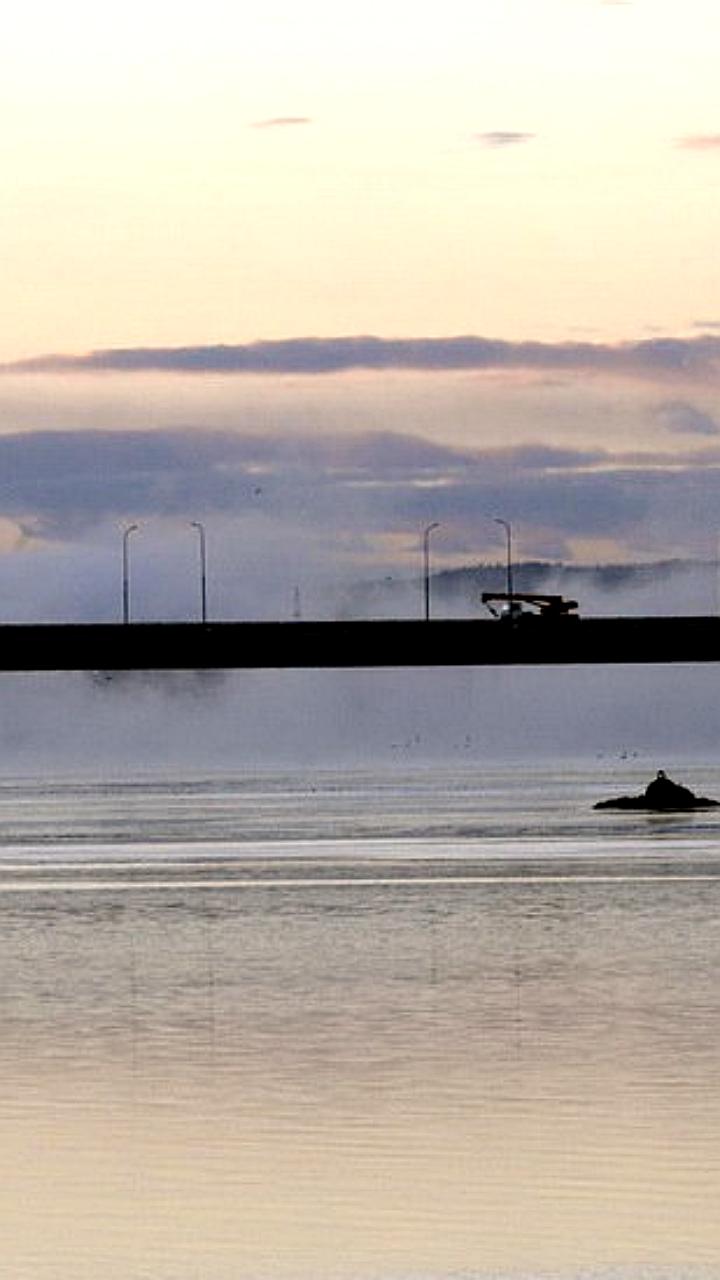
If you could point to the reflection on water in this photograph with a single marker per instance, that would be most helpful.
(358, 1068)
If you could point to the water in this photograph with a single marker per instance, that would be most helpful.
(361, 1026)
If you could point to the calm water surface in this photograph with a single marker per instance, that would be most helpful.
(358, 1027)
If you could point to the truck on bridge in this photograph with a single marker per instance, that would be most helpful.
(511, 606)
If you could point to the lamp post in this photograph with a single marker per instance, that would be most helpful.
(426, 565)
(195, 524)
(126, 571)
(508, 535)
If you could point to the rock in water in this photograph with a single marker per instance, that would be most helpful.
(662, 795)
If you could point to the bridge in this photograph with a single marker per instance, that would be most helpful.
(165, 646)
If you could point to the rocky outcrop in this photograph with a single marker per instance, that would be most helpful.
(662, 795)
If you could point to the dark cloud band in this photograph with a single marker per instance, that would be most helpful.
(66, 482)
(698, 356)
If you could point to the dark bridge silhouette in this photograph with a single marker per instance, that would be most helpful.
(392, 643)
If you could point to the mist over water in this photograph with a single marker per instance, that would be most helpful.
(248, 720)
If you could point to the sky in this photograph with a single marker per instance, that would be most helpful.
(318, 275)
(181, 174)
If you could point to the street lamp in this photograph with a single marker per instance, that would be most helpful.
(195, 524)
(426, 565)
(126, 572)
(508, 535)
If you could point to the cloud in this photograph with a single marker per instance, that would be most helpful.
(652, 358)
(64, 481)
(700, 142)
(60, 486)
(680, 416)
(281, 122)
(503, 138)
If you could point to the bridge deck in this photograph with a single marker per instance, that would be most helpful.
(391, 643)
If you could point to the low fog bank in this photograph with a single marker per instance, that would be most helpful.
(60, 724)
(255, 572)
(659, 589)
